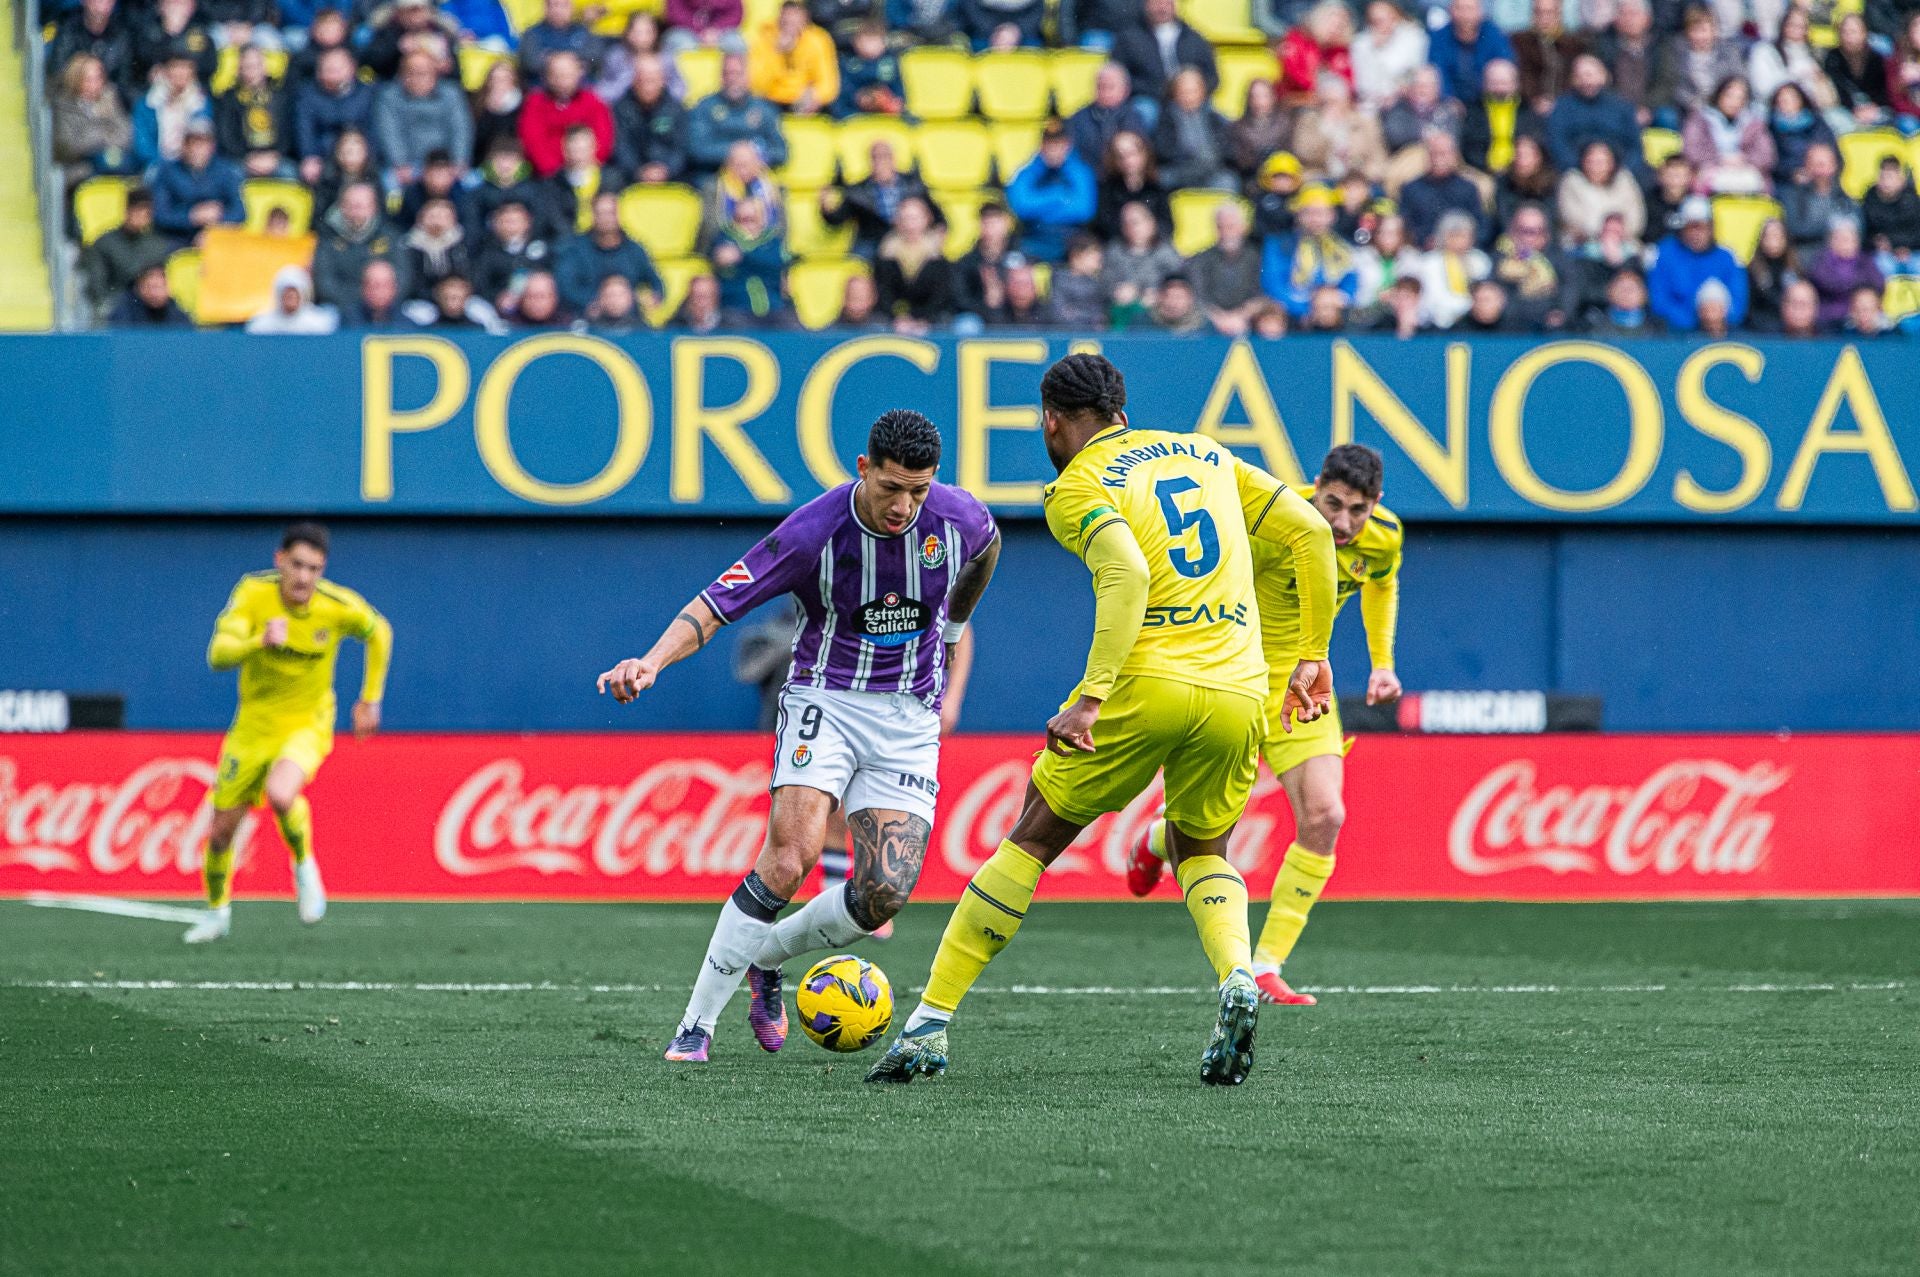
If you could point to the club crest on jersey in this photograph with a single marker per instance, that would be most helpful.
(802, 755)
(738, 574)
(892, 621)
(933, 552)
(320, 635)
(1358, 567)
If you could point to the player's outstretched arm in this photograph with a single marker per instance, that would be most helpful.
(1120, 580)
(378, 636)
(1380, 610)
(686, 634)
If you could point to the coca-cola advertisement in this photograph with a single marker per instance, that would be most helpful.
(680, 817)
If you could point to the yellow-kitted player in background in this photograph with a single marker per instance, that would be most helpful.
(1310, 762)
(283, 630)
(1175, 680)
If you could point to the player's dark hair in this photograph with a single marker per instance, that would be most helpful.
(306, 532)
(1357, 466)
(906, 438)
(1084, 383)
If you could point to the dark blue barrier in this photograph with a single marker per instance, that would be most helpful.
(1499, 429)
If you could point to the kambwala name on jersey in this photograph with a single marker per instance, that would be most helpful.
(1115, 473)
(892, 621)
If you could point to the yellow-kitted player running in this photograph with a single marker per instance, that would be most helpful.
(1175, 681)
(283, 630)
(1310, 763)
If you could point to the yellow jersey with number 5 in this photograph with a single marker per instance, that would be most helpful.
(1190, 504)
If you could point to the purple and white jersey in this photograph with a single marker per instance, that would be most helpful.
(872, 606)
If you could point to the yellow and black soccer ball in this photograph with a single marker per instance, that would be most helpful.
(845, 1003)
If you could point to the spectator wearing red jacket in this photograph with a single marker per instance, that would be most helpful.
(1321, 44)
(562, 103)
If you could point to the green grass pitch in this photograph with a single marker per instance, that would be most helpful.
(1637, 1089)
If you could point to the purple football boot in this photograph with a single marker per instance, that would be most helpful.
(689, 1045)
(766, 1010)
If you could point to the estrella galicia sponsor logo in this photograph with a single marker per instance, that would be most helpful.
(802, 755)
(1206, 614)
(892, 621)
(933, 551)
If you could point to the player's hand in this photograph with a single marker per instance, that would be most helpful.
(1383, 687)
(1071, 730)
(275, 635)
(366, 719)
(1309, 692)
(628, 679)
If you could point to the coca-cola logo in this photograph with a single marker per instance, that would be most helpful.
(152, 822)
(1698, 816)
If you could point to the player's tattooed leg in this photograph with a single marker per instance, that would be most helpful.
(888, 851)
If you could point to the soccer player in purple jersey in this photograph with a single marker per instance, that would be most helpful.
(887, 571)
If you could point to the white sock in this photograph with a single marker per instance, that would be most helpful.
(736, 939)
(925, 1016)
(1264, 968)
(1157, 837)
(824, 922)
(836, 865)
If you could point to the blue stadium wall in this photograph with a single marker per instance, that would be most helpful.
(1717, 536)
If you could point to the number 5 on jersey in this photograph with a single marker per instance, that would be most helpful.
(1179, 521)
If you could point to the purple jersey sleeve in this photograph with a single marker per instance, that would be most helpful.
(788, 555)
(977, 528)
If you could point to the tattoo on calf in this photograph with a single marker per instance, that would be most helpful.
(886, 863)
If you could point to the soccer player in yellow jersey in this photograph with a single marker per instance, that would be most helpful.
(283, 630)
(1175, 680)
(1310, 762)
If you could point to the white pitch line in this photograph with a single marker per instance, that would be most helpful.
(1033, 990)
(118, 908)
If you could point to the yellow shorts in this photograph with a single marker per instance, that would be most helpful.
(247, 756)
(1207, 741)
(1285, 750)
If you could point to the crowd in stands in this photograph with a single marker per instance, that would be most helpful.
(1476, 166)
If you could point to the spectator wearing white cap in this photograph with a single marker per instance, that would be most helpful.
(1685, 261)
(292, 313)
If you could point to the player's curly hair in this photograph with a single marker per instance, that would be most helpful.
(906, 438)
(1357, 466)
(306, 532)
(1084, 383)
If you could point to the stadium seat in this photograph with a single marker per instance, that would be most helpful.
(99, 205)
(961, 208)
(262, 195)
(226, 68)
(808, 234)
(939, 83)
(819, 287)
(1223, 22)
(1043, 278)
(954, 153)
(1071, 73)
(1902, 297)
(1013, 145)
(522, 14)
(1737, 220)
(755, 14)
(1657, 144)
(857, 135)
(700, 72)
(1825, 35)
(615, 14)
(676, 275)
(183, 281)
(1193, 210)
(664, 218)
(1860, 156)
(1238, 69)
(475, 62)
(812, 154)
(1013, 85)
(237, 269)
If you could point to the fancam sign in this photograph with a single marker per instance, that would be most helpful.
(563, 423)
(661, 817)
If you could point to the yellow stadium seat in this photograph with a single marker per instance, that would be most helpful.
(1223, 22)
(954, 153)
(1238, 69)
(755, 14)
(700, 72)
(1657, 144)
(808, 234)
(475, 62)
(1013, 145)
(939, 82)
(1013, 85)
(1902, 297)
(522, 14)
(857, 135)
(617, 13)
(664, 218)
(1825, 35)
(99, 205)
(819, 287)
(1071, 73)
(237, 269)
(1737, 220)
(1043, 278)
(812, 152)
(262, 195)
(961, 208)
(1860, 156)
(1193, 210)
(676, 275)
(183, 280)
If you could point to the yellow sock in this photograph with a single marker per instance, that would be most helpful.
(1217, 899)
(297, 828)
(216, 870)
(983, 923)
(1298, 884)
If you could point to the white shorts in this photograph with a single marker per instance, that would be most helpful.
(868, 749)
